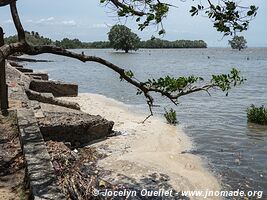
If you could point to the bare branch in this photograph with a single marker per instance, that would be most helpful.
(118, 4)
(16, 20)
(9, 49)
(5, 2)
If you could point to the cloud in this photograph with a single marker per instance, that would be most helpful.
(52, 21)
(49, 20)
(69, 23)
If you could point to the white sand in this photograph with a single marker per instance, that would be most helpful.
(146, 148)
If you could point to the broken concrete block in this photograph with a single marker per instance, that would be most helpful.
(43, 76)
(74, 127)
(57, 88)
(24, 69)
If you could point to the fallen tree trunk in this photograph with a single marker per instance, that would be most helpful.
(46, 98)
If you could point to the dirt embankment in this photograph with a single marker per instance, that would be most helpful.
(12, 166)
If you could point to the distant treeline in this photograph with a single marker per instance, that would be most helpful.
(35, 38)
(158, 43)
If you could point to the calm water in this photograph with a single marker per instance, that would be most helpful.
(236, 151)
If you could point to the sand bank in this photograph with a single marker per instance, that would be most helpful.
(146, 153)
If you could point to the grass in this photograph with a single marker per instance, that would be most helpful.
(257, 115)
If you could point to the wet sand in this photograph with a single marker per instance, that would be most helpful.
(146, 151)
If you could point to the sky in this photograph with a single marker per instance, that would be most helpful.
(87, 20)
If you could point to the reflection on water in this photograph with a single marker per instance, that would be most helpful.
(237, 151)
(257, 130)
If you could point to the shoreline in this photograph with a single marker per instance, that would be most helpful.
(142, 150)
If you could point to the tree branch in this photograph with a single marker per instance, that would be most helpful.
(143, 87)
(16, 20)
(5, 2)
(118, 4)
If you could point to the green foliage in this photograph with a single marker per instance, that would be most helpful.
(171, 84)
(228, 16)
(121, 37)
(257, 115)
(98, 45)
(129, 73)
(158, 43)
(226, 81)
(238, 42)
(32, 37)
(70, 44)
(182, 85)
(170, 116)
(35, 38)
(156, 13)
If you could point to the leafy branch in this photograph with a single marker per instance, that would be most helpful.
(228, 16)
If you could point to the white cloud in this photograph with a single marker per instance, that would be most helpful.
(49, 20)
(52, 21)
(69, 22)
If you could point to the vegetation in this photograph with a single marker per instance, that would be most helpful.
(170, 116)
(98, 45)
(238, 42)
(228, 16)
(121, 37)
(257, 115)
(12, 160)
(35, 38)
(69, 44)
(158, 43)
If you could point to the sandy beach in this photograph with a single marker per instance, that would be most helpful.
(145, 151)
